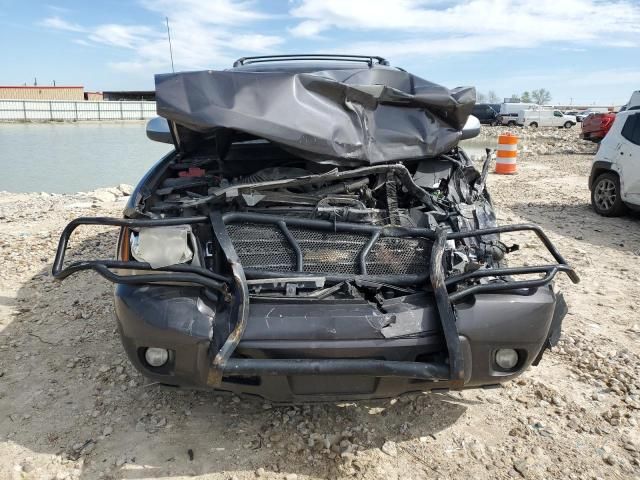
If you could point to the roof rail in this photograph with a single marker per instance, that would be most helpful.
(369, 59)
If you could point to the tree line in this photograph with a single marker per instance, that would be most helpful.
(539, 96)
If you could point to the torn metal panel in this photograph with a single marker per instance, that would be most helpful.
(345, 116)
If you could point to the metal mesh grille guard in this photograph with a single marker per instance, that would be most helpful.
(236, 293)
(267, 247)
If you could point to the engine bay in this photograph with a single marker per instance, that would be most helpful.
(284, 208)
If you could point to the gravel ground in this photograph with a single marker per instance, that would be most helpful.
(72, 406)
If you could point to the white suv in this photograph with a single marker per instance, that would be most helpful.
(615, 173)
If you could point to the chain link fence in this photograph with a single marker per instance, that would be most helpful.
(57, 110)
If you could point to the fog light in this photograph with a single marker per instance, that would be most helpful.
(506, 358)
(156, 357)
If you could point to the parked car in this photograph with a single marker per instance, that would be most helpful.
(545, 118)
(485, 113)
(276, 253)
(596, 126)
(509, 112)
(495, 106)
(633, 103)
(582, 115)
(615, 173)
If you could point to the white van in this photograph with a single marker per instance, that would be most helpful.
(615, 174)
(634, 101)
(509, 112)
(545, 118)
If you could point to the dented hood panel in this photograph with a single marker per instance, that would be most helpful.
(347, 116)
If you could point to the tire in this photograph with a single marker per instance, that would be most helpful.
(568, 124)
(533, 124)
(511, 123)
(605, 195)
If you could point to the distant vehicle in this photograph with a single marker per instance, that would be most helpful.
(633, 103)
(485, 113)
(580, 116)
(545, 118)
(615, 173)
(590, 111)
(596, 126)
(509, 112)
(572, 112)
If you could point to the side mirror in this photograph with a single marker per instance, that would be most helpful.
(158, 130)
(471, 129)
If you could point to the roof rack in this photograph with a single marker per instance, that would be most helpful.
(369, 59)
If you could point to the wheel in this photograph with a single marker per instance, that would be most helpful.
(533, 124)
(605, 195)
(511, 123)
(568, 124)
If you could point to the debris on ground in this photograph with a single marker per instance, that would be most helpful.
(74, 407)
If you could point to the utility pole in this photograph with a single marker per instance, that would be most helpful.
(170, 47)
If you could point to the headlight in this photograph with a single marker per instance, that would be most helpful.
(162, 246)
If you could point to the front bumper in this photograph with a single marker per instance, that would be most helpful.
(448, 336)
(179, 320)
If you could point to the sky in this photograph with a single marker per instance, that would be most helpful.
(582, 51)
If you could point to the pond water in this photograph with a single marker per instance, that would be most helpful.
(74, 157)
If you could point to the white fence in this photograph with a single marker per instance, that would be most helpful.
(60, 110)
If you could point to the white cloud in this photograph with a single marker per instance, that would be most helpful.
(58, 23)
(82, 41)
(125, 36)
(204, 34)
(308, 28)
(427, 27)
(210, 34)
(210, 12)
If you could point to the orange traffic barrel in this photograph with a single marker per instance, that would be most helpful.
(507, 153)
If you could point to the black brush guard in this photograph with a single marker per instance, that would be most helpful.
(235, 291)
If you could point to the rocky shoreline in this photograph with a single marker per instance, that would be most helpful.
(543, 141)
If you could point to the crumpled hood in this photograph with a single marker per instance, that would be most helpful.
(350, 116)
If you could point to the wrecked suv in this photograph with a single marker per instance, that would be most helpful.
(319, 234)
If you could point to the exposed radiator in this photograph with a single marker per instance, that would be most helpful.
(265, 247)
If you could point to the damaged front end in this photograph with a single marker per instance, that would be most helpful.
(293, 276)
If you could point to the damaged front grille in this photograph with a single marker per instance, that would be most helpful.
(262, 246)
(265, 247)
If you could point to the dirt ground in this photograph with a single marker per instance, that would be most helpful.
(71, 406)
